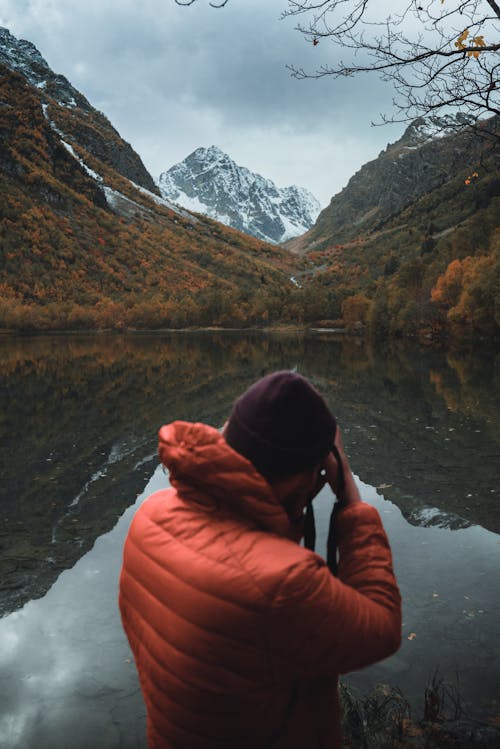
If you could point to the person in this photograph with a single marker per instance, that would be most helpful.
(239, 632)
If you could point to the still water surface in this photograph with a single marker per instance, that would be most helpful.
(78, 441)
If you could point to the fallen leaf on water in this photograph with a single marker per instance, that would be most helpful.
(412, 635)
(435, 595)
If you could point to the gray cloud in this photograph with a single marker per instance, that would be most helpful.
(171, 79)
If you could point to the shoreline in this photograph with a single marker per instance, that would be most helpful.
(335, 332)
(192, 329)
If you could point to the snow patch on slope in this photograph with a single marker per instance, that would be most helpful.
(114, 198)
(164, 202)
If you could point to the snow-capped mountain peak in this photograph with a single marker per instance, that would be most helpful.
(210, 182)
(424, 129)
(20, 53)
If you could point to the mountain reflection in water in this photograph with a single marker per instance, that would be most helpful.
(79, 444)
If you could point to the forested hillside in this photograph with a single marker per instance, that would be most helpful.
(84, 246)
(412, 245)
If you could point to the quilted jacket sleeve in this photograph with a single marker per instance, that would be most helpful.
(326, 625)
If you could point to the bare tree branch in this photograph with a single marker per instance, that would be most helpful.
(438, 54)
(213, 5)
(495, 7)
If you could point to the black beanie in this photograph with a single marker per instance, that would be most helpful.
(282, 425)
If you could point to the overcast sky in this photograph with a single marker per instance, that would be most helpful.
(172, 79)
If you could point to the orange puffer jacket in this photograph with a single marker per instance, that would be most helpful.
(238, 632)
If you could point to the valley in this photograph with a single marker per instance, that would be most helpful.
(409, 248)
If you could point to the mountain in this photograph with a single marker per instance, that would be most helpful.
(76, 117)
(411, 246)
(427, 156)
(87, 240)
(210, 182)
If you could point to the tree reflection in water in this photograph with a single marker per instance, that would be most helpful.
(82, 414)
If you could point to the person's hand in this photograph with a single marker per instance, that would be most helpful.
(350, 493)
(331, 466)
(331, 472)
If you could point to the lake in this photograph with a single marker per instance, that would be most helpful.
(78, 431)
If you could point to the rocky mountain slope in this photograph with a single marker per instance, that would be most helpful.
(411, 246)
(88, 241)
(74, 114)
(429, 155)
(210, 182)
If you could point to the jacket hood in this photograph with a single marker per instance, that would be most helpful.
(204, 468)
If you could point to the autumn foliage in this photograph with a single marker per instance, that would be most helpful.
(468, 292)
(80, 252)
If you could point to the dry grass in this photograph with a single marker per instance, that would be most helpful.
(383, 720)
